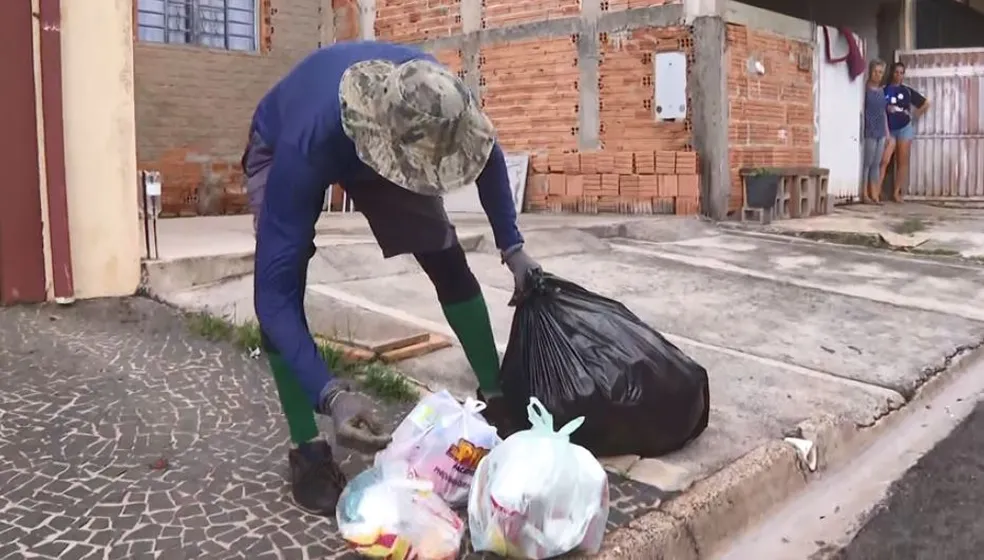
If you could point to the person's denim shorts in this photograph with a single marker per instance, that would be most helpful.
(907, 132)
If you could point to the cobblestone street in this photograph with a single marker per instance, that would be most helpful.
(123, 435)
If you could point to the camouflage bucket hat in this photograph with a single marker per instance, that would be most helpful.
(415, 124)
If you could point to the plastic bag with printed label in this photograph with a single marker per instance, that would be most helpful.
(443, 441)
(537, 495)
(384, 514)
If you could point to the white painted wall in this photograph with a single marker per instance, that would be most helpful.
(838, 103)
(100, 146)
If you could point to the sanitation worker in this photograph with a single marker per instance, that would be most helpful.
(397, 130)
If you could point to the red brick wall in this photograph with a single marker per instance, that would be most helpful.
(346, 14)
(193, 106)
(503, 13)
(529, 90)
(627, 89)
(408, 21)
(641, 182)
(452, 59)
(644, 166)
(771, 115)
(616, 5)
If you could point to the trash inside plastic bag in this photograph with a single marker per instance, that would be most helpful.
(443, 442)
(537, 495)
(383, 514)
(583, 354)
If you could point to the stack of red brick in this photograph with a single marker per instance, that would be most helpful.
(606, 181)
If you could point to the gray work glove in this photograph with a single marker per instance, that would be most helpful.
(356, 425)
(521, 265)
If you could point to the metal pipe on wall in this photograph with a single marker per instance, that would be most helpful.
(54, 151)
(908, 23)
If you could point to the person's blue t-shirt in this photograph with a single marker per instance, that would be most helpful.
(874, 114)
(300, 120)
(900, 100)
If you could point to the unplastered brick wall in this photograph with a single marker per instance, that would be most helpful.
(627, 87)
(530, 91)
(770, 108)
(640, 182)
(503, 13)
(615, 5)
(410, 21)
(194, 106)
(530, 88)
(345, 15)
(644, 165)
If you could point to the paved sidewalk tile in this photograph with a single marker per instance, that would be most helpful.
(94, 396)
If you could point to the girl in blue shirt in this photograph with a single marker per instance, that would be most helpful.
(904, 105)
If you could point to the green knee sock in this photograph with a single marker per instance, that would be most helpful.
(297, 409)
(470, 321)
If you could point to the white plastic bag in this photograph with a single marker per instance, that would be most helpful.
(443, 442)
(537, 495)
(383, 514)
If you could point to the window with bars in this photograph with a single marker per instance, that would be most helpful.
(220, 24)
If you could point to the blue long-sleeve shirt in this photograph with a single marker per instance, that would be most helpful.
(300, 120)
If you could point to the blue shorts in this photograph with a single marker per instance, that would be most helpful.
(907, 132)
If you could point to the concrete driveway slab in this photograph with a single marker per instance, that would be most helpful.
(795, 334)
(754, 399)
(842, 335)
(414, 295)
(926, 283)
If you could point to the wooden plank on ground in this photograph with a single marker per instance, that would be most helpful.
(433, 343)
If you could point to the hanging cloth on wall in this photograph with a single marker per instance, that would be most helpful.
(854, 58)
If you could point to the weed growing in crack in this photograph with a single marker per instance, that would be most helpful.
(375, 377)
(382, 381)
(909, 226)
(248, 336)
(210, 327)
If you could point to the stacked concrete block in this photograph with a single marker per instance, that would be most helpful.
(802, 193)
(623, 182)
(770, 114)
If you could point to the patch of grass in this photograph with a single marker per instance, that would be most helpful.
(908, 226)
(875, 242)
(247, 336)
(941, 252)
(380, 380)
(210, 327)
(843, 238)
(374, 377)
(335, 358)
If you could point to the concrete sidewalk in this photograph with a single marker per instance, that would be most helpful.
(813, 340)
(920, 228)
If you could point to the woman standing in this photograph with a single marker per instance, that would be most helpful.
(875, 132)
(904, 105)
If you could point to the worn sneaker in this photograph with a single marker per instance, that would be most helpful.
(498, 415)
(316, 484)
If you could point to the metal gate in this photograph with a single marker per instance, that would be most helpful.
(947, 157)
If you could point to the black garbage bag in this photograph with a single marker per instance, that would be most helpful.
(583, 354)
